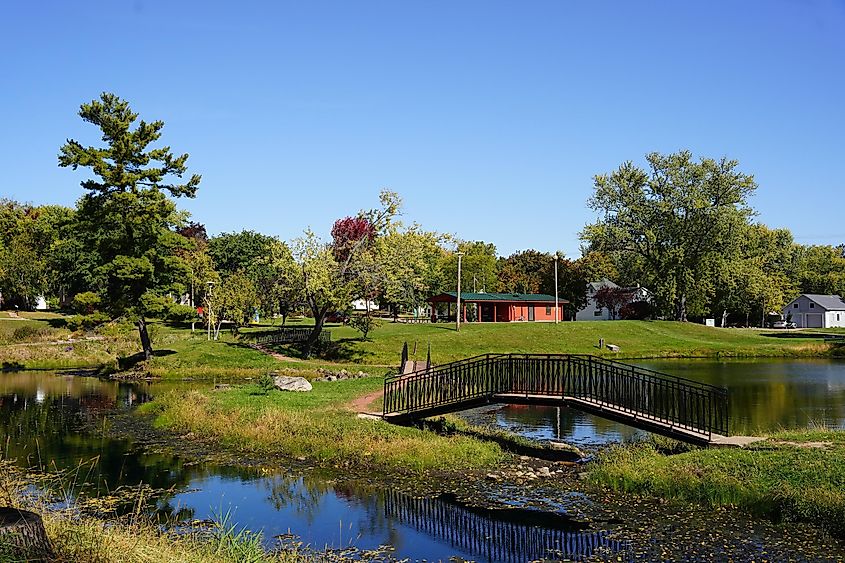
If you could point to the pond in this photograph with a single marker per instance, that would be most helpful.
(765, 395)
(55, 421)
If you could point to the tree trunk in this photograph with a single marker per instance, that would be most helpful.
(315, 334)
(146, 345)
(681, 308)
(22, 536)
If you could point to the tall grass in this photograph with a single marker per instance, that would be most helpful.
(796, 476)
(316, 426)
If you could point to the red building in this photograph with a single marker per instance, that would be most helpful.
(497, 307)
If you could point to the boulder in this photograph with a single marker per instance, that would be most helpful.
(288, 383)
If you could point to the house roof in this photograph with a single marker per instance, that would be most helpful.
(597, 285)
(509, 297)
(829, 302)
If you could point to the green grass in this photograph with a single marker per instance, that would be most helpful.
(318, 426)
(784, 477)
(637, 339)
(181, 353)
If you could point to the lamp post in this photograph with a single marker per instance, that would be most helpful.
(557, 307)
(458, 312)
(210, 284)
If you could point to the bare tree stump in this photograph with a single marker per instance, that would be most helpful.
(22, 535)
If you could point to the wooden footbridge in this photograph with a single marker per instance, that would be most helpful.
(649, 400)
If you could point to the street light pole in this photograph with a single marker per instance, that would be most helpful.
(458, 315)
(557, 307)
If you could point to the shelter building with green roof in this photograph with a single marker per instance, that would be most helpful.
(498, 307)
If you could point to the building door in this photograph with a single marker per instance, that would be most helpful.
(486, 313)
(531, 312)
(813, 320)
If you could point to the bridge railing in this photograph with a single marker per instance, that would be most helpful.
(440, 386)
(607, 384)
(288, 335)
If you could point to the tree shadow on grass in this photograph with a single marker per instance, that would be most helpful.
(801, 335)
(129, 362)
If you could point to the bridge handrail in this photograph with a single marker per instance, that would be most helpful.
(604, 383)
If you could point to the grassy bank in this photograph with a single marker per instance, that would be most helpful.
(798, 476)
(181, 353)
(636, 339)
(318, 426)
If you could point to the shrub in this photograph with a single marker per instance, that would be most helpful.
(266, 382)
(635, 311)
(29, 332)
(86, 303)
(364, 324)
(181, 313)
(87, 322)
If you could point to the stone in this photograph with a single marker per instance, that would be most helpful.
(544, 472)
(491, 477)
(288, 383)
(331, 378)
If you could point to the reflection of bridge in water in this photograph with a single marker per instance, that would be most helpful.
(508, 534)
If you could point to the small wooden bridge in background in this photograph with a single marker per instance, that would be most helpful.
(649, 400)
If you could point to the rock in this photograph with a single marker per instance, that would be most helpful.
(288, 383)
(544, 472)
(331, 378)
(491, 477)
(300, 458)
(361, 374)
(524, 458)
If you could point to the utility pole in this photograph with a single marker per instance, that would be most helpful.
(458, 315)
(210, 319)
(557, 307)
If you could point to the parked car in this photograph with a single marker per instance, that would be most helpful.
(783, 324)
(337, 317)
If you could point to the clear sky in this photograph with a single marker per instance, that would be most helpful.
(489, 118)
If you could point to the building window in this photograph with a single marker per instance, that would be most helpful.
(597, 313)
(837, 317)
(812, 305)
(548, 310)
(795, 305)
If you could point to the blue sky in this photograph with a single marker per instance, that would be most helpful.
(489, 118)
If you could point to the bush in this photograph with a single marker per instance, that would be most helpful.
(87, 322)
(635, 311)
(29, 332)
(86, 303)
(266, 382)
(364, 324)
(181, 313)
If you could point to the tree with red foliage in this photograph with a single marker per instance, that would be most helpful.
(612, 299)
(349, 232)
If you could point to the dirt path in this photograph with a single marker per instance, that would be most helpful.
(274, 354)
(361, 404)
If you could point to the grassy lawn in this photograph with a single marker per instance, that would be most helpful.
(181, 353)
(318, 426)
(797, 475)
(637, 339)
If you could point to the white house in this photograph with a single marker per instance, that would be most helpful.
(816, 311)
(592, 312)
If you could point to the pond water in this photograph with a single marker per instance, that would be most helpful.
(765, 395)
(55, 421)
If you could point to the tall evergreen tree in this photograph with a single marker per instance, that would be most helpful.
(125, 216)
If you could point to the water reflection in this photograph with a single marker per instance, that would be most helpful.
(765, 396)
(503, 534)
(57, 421)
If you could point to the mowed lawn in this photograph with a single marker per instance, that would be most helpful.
(636, 339)
(181, 353)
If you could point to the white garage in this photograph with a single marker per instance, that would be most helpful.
(816, 311)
